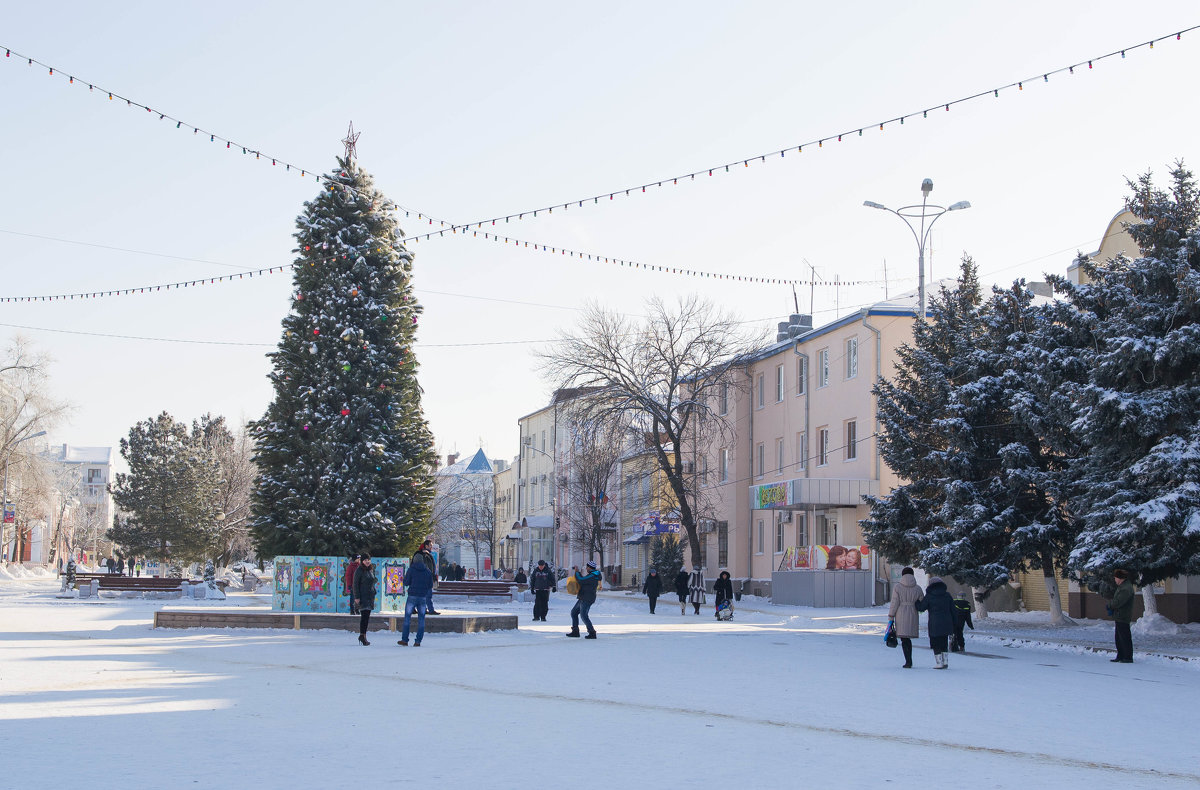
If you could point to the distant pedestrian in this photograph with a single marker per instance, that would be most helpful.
(652, 588)
(1121, 608)
(696, 588)
(681, 589)
(521, 578)
(584, 600)
(723, 590)
(120, 566)
(962, 616)
(108, 563)
(139, 567)
(460, 573)
(418, 581)
(940, 605)
(542, 583)
(348, 581)
(903, 612)
(364, 594)
(424, 555)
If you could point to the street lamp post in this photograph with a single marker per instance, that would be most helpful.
(928, 214)
(3, 544)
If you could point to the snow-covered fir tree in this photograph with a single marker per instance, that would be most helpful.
(1136, 489)
(344, 452)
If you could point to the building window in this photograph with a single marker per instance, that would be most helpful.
(779, 384)
(704, 471)
(852, 357)
(543, 441)
(822, 367)
(801, 375)
(646, 491)
(760, 453)
(761, 535)
(723, 469)
(779, 455)
(723, 399)
(851, 439)
(778, 536)
(761, 395)
(802, 450)
(722, 544)
(822, 446)
(801, 528)
(826, 530)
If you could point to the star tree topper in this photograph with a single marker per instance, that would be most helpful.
(350, 141)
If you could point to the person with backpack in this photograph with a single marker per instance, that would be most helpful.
(587, 584)
(652, 587)
(681, 589)
(962, 616)
(542, 582)
(940, 605)
(418, 581)
(364, 595)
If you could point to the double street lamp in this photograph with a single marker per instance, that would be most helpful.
(927, 213)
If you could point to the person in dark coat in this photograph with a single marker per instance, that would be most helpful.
(722, 589)
(364, 594)
(348, 581)
(1122, 614)
(521, 578)
(418, 581)
(425, 555)
(120, 566)
(962, 616)
(652, 588)
(584, 600)
(542, 583)
(681, 589)
(940, 605)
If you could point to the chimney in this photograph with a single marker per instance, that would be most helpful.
(782, 333)
(799, 324)
(451, 458)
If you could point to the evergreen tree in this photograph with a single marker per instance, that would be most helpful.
(344, 453)
(1136, 489)
(168, 499)
(666, 556)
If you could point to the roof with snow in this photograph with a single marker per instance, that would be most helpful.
(477, 464)
(83, 455)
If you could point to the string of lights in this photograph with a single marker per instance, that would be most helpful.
(819, 142)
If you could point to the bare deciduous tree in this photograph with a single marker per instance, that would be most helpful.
(593, 457)
(666, 374)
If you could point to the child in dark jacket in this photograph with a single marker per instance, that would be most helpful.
(962, 616)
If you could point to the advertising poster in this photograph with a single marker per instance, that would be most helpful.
(842, 558)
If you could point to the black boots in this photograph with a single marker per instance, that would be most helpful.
(590, 635)
(573, 632)
(363, 638)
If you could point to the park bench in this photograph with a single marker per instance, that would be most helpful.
(141, 583)
(477, 589)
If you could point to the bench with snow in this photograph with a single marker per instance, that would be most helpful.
(476, 589)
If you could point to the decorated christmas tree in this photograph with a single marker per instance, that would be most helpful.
(344, 453)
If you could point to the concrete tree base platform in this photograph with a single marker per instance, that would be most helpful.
(383, 621)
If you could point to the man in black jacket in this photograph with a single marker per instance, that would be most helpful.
(541, 581)
(681, 589)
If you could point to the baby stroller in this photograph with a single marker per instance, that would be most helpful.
(725, 610)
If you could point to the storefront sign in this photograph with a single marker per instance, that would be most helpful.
(769, 496)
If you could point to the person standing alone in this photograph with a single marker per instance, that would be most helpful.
(584, 600)
(418, 581)
(425, 555)
(541, 581)
(903, 612)
(652, 588)
(364, 595)
(1122, 614)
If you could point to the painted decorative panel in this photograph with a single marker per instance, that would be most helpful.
(316, 584)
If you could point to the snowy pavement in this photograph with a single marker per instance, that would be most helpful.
(779, 697)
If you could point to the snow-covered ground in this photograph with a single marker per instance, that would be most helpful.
(779, 697)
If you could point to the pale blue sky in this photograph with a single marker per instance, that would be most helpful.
(469, 110)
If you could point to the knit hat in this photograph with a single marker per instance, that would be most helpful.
(935, 580)
(591, 564)
(364, 556)
(907, 572)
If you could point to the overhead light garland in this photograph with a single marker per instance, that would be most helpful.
(819, 142)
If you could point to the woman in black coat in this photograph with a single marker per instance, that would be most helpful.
(652, 588)
(940, 605)
(723, 589)
(681, 588)
(364, 595)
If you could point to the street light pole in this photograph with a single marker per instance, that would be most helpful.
(927, 213)
(9, 449)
